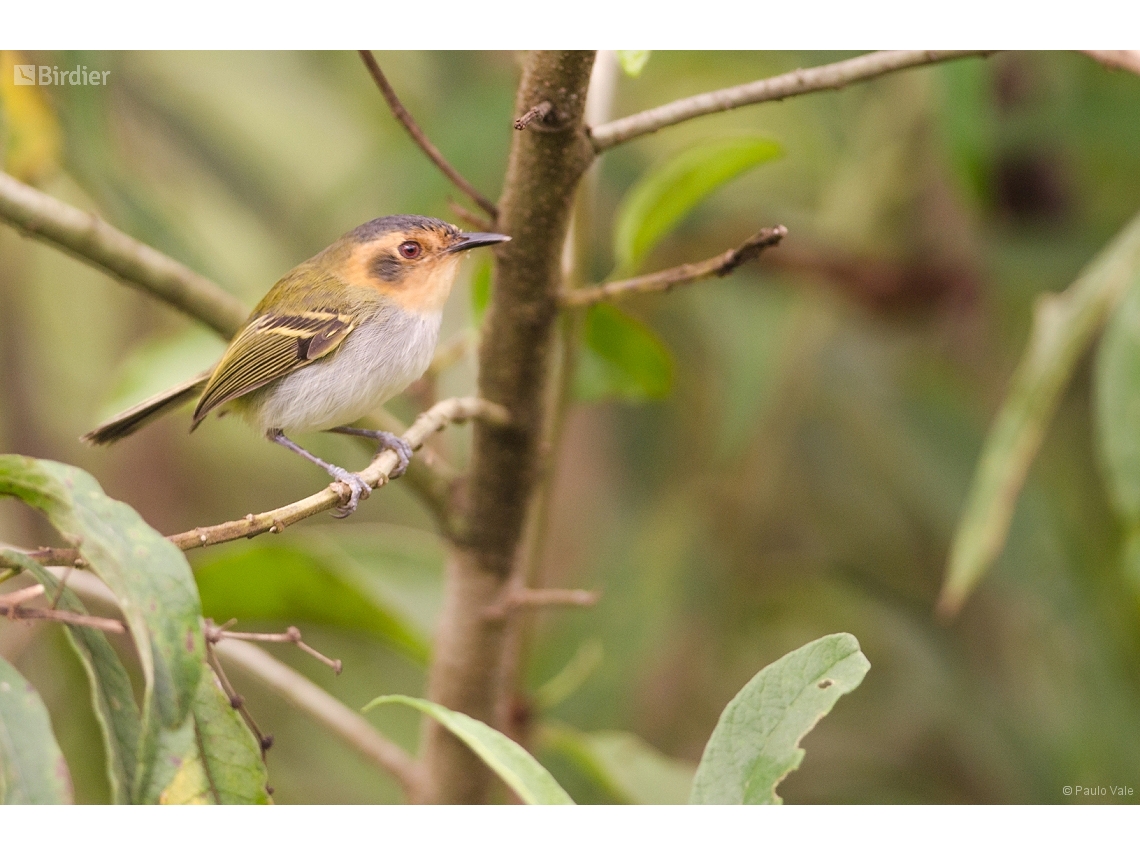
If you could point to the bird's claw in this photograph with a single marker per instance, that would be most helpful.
(359, 489)
(400, 446)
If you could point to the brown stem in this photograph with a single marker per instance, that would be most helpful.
(542, 174)
(664, 280)
(421, 139)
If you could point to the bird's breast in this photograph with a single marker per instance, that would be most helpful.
(380, 358)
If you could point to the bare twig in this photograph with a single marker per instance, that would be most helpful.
(90, 239)
(21, 595)
(798, 82)
(17, 612)
(339, 719)
(292, 635)
(347, 724)
(375, 474)
(531, 598)
(1117, 60)
(539, 111)
(450, 411)
(264, 740)
(470, 217)
(664, 280)
(420, 137)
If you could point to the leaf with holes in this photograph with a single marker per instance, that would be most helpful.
(148, 575)
(756, 741)
(211, 759)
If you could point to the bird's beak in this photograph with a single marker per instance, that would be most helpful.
(470, 240)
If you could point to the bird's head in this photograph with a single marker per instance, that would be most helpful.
(410, 260)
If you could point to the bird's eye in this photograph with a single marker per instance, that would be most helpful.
(410, 249)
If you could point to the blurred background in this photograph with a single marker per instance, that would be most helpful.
(794, 466)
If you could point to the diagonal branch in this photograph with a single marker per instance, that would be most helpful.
(450, 411)
(433, 153)
(664, 280)
(798, 82)
(376, 474)
(92, 240)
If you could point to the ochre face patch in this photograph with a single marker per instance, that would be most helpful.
(412, 269)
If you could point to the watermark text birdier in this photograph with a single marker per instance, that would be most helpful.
(51, 75)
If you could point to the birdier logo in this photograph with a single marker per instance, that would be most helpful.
(52, 75)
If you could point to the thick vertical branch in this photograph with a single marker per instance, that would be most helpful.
(542, 175)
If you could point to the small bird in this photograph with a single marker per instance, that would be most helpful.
(335, 338)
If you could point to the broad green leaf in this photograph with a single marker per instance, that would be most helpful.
(316, 579)
(111, 695)
(148, 574)
(160, 363)
(481, 291)
(633, 61)
(212, 758)
(1063, 327)
(756, 741)
(509, 760)
(663, 197)
(32, 768)
(622, 358)
(623, 765)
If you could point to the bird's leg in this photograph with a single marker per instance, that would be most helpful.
(354, 482)
(386, 440)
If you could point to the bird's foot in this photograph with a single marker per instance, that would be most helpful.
(356, 484)
(399, 445)
(386, 440)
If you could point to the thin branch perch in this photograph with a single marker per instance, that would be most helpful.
(798, 82)
(450, 411)
(92, 240)
(685, 274)
(453, 410)
(420, 137)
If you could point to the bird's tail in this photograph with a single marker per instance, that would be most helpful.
(128, 421)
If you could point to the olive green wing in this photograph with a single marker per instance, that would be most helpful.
(271, 346)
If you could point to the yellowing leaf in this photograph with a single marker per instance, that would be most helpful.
(30, 139)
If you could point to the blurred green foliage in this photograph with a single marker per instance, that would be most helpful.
(803, 476)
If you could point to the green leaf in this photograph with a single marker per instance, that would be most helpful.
(481, 291)
(622, 358)
(212, 758)
(509, 760)
(316, 579)
(111, 695)
(633, 61)
(623, 765)
(148, 574)
(160, 363)
(756, 741)
(32, 768)
(663, 197)
(1063, 327)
